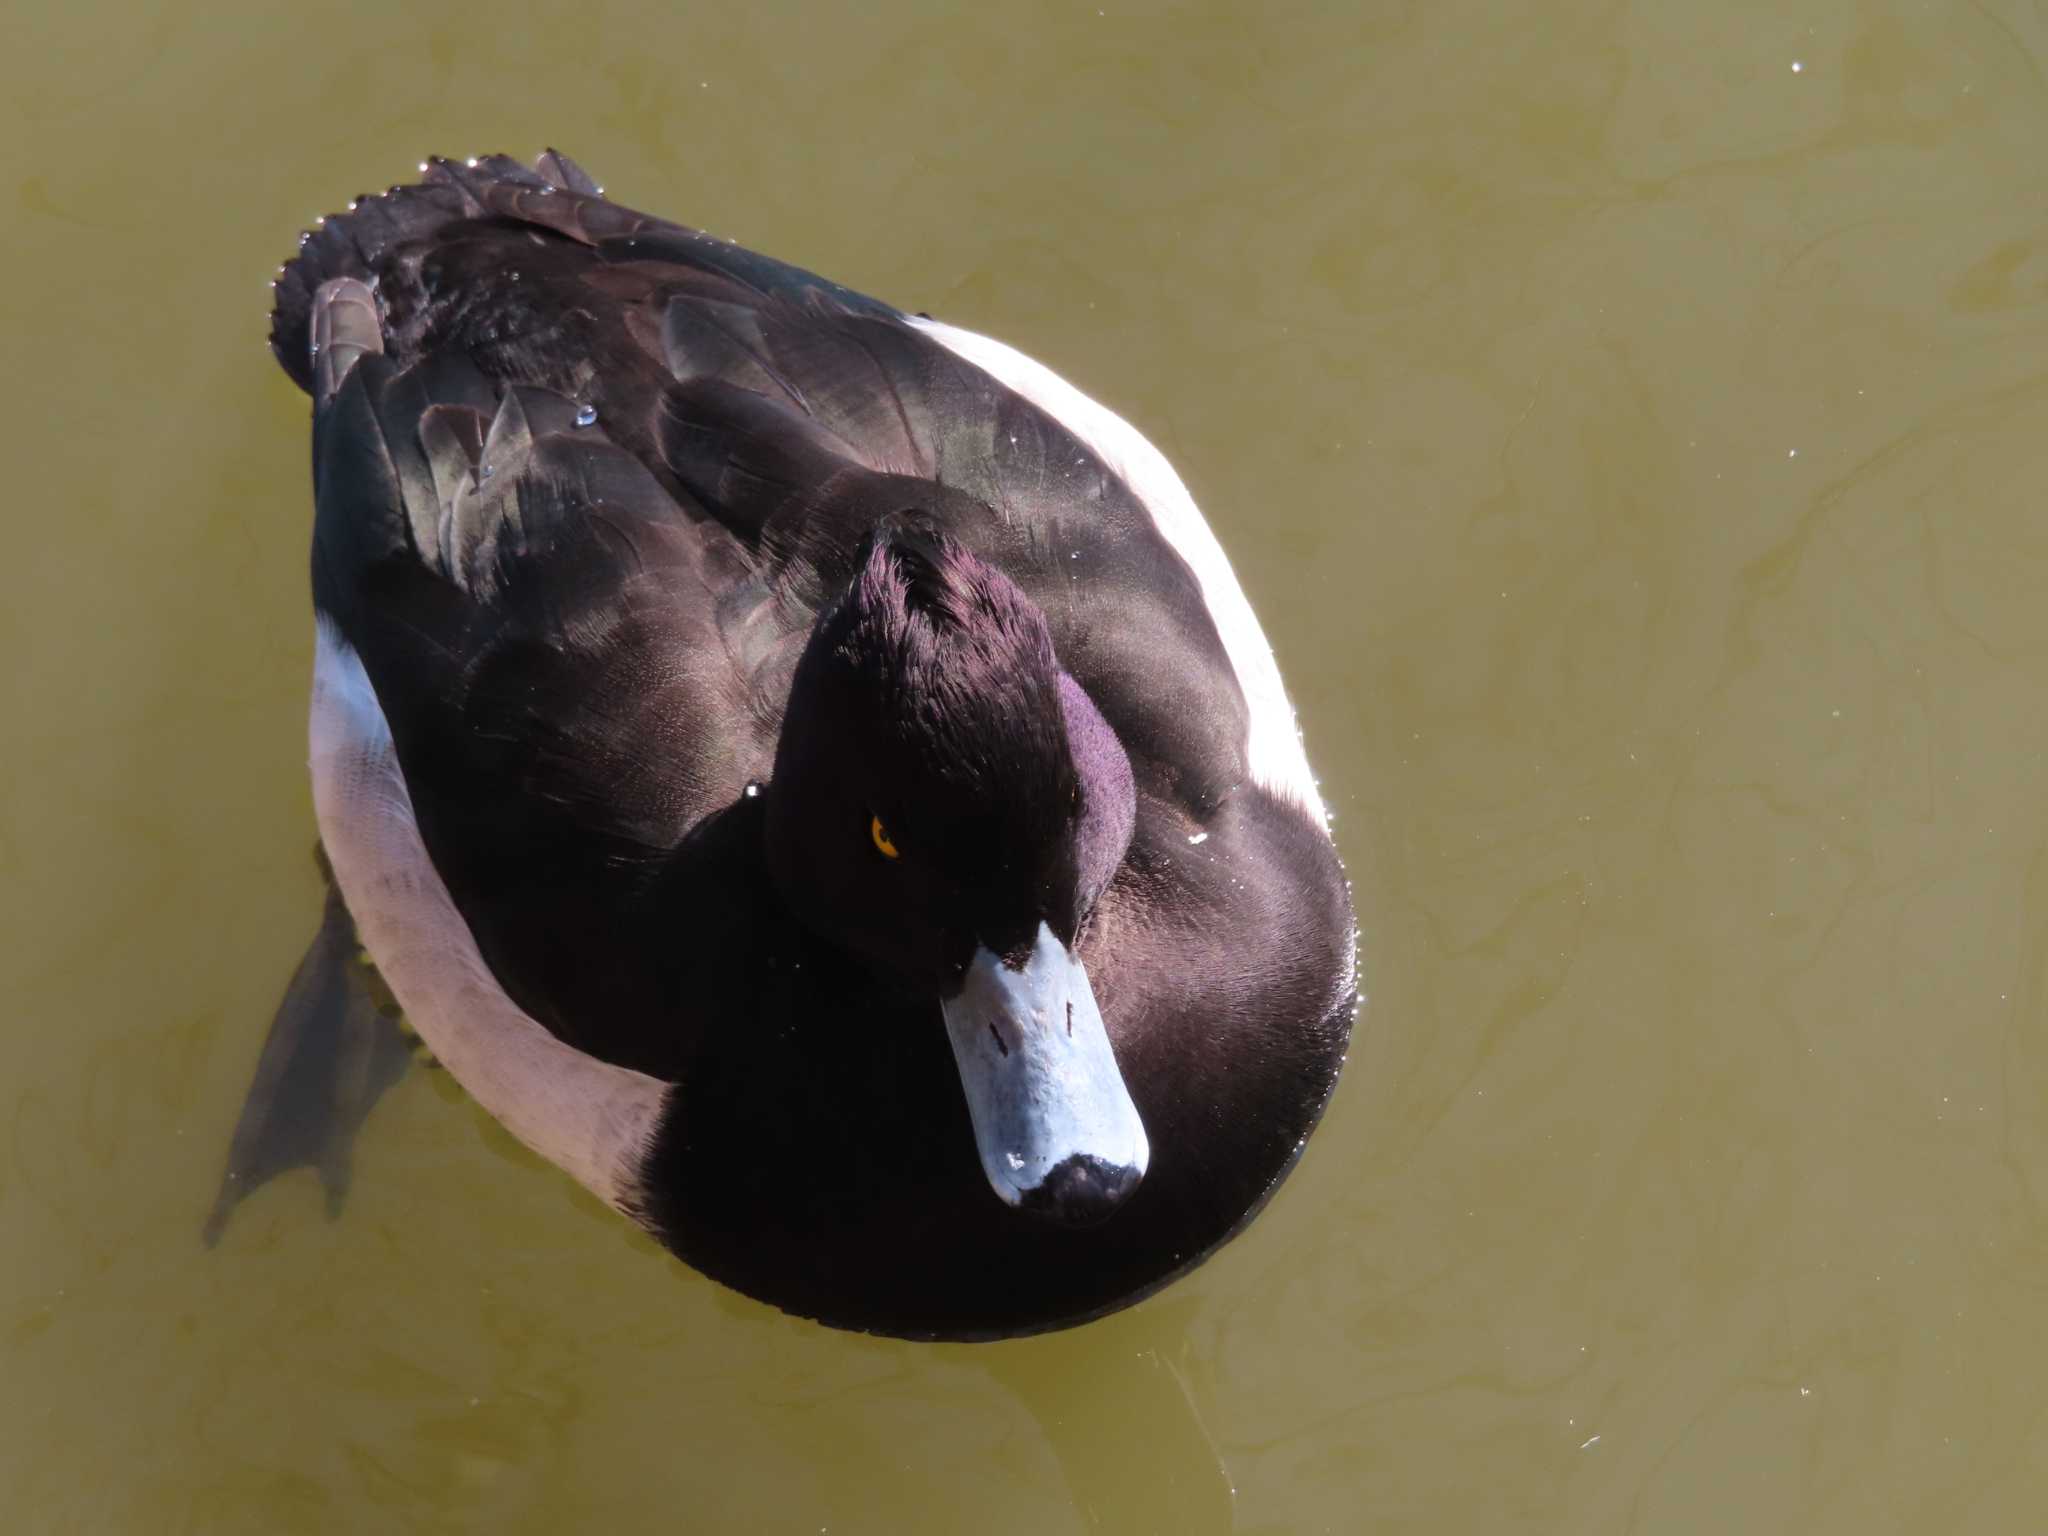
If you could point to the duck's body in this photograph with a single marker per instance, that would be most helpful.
(586, 483)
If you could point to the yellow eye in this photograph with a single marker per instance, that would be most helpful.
(881, 836)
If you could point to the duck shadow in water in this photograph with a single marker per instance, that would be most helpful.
(1123, 1422)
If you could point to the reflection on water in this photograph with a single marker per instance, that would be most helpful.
(1633, 446)
(1092, 1403)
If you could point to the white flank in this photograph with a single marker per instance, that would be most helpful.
(590, 1118)
(1274, 751)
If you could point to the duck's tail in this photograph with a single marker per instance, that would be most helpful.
(361, 242)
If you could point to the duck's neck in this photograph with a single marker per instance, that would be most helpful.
(732, 956)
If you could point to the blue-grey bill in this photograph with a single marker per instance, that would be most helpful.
(1053, 1121)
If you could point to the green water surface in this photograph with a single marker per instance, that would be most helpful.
(1630, 421)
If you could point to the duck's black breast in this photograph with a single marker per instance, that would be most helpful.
(577, 520)
(820, 1155)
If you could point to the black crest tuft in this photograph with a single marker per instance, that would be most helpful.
(968, 681)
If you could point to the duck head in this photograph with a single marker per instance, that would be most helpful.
(948, 805)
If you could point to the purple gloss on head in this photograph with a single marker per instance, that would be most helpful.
(1108, 797)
